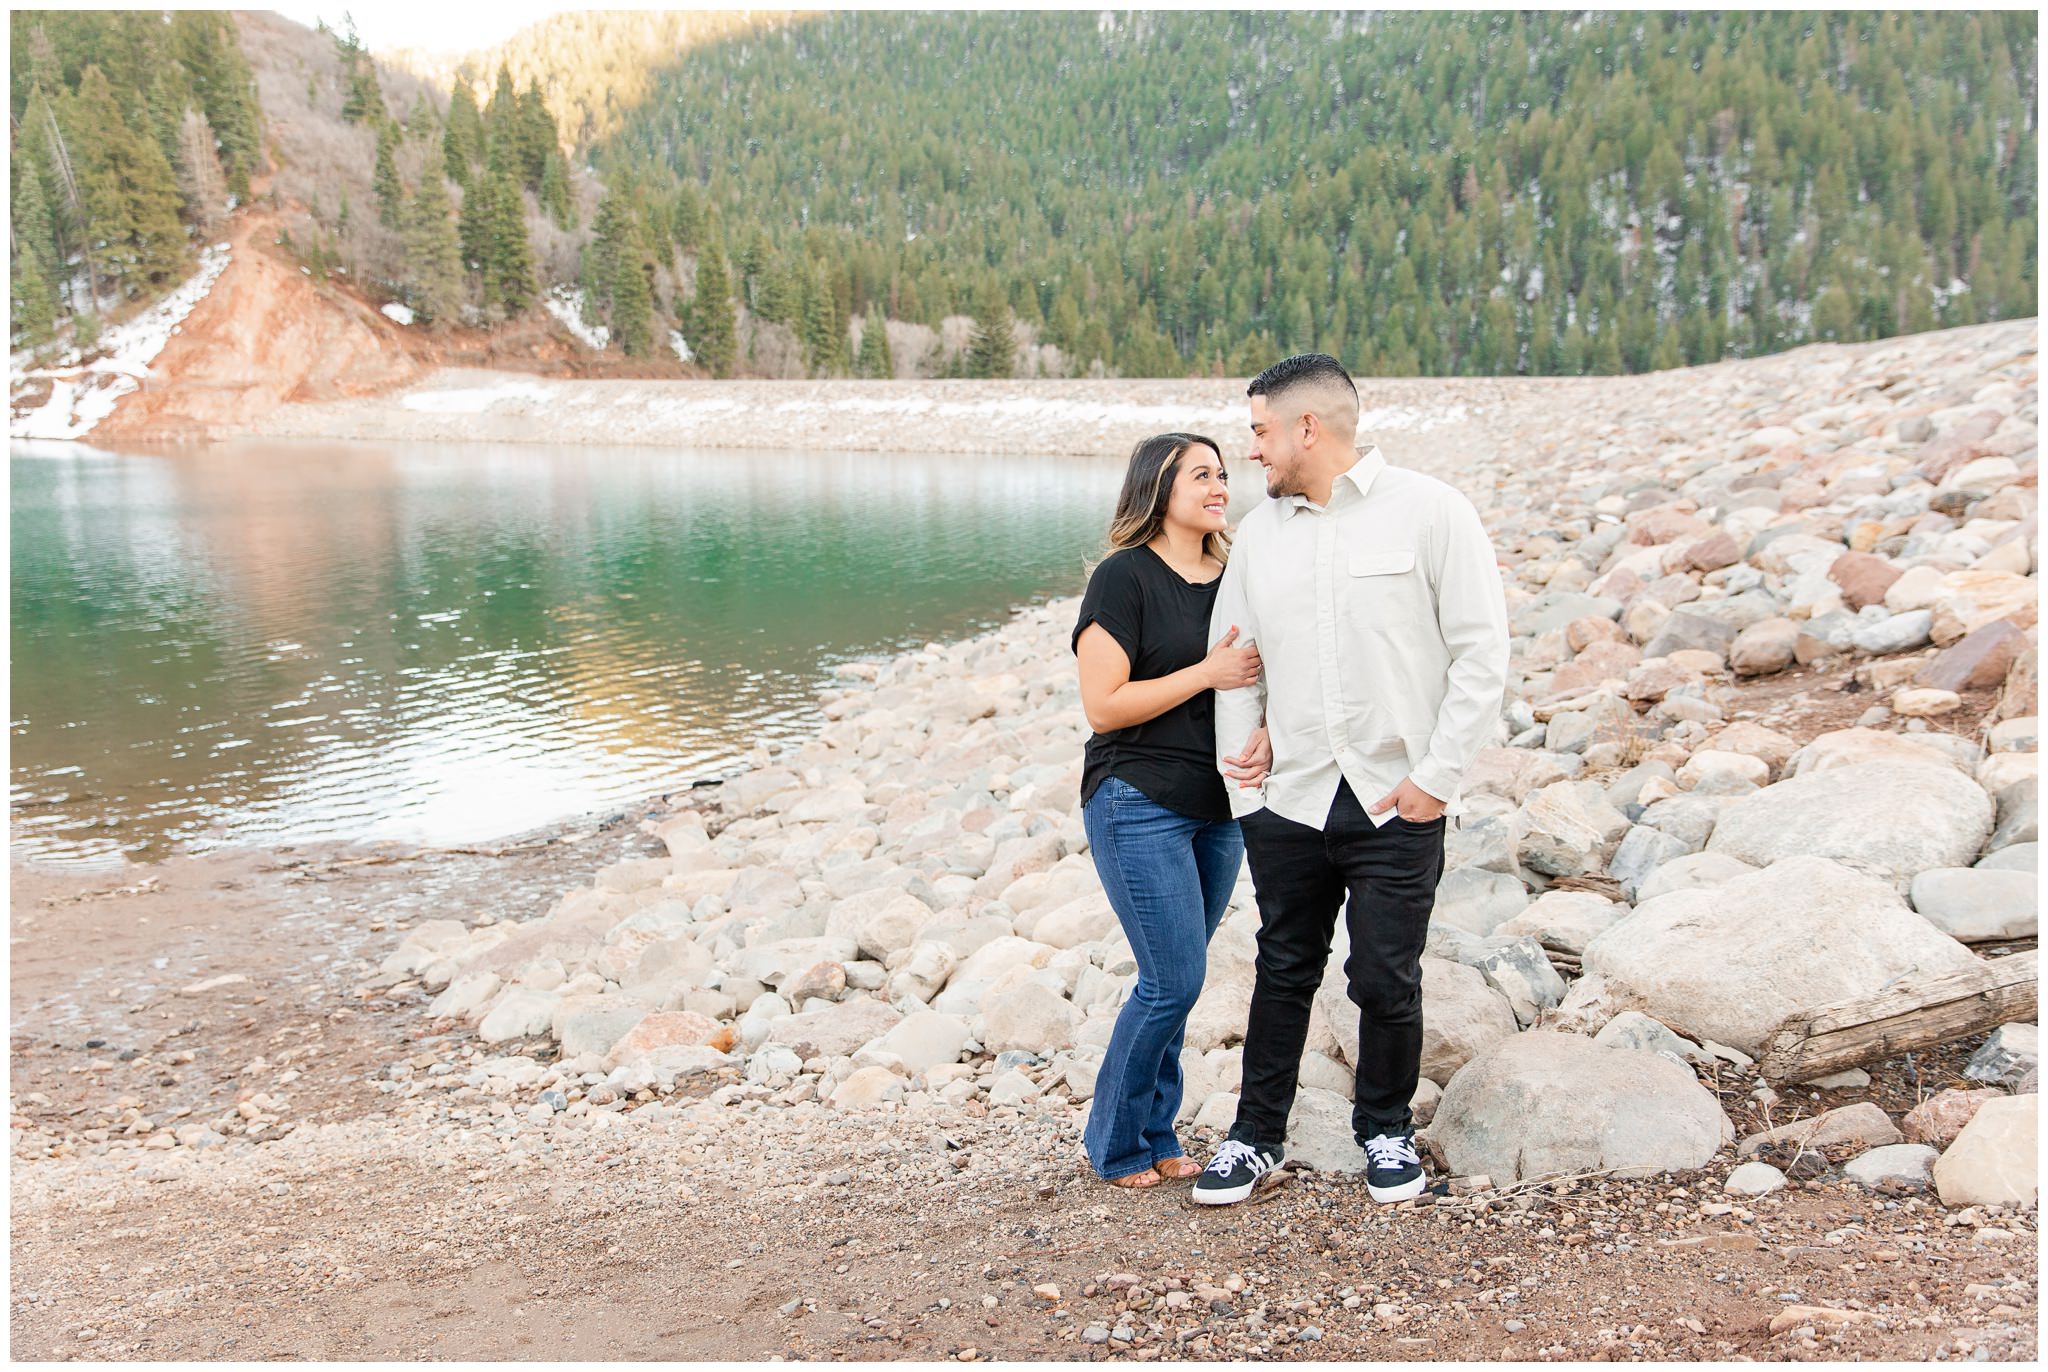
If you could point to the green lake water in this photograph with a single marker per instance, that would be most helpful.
(268, 642)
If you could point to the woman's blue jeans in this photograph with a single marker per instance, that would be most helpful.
(1169, 878)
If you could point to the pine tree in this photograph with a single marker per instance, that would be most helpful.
(608, 242)
(992, 354)
(433, 251)
(384, 181)
(632, 302)
(536, 130)
(206, 46)
(554, 193)
(69, 216)
(711, 318)
(824, 328)
(782, 291)
(462, 138)
(35, 239)
(479, 216)
(130, 192)
(875, 360)
(33, 313)
(364, 101)
(508, 275)
(502, 137)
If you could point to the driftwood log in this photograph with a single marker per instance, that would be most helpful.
(1914, 1012)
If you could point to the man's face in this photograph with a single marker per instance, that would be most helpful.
(1276, 446)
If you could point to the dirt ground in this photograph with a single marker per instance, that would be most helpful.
(371, 1224)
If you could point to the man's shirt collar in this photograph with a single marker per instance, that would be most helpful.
(1360, 474)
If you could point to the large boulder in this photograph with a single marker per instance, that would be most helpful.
(1979, 905)
(1851, 747)
(1461, 1015)
(1084, 919)
(1031, 1017)
(667, 1029)
(1691, 872)
(880, 921)
(1546, 1104)
(1731, 962)
(1891, 819)
(1319, 1134)
(836, 1030)
(1226, 1001)
(1994, 1160)
(924, 1040)
(1478, 899)
(1566, 920)
(1572, 829)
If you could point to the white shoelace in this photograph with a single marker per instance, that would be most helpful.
(1391, 1150)
(1234, 1151)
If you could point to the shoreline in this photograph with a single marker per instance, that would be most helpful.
(816, 1042)
(1081, 418)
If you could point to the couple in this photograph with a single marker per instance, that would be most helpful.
(1359, 660)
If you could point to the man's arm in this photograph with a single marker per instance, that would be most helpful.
(1240, 711)
(1471, 613)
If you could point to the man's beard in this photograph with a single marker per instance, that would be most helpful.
(1280, 484)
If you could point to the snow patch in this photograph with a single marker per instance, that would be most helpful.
(83, 393)
(566, 304)
(682, 348)
(397, 313)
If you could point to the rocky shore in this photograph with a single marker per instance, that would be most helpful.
(1668, 856)
(1770, 745)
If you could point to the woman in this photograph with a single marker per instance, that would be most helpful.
(1157, 817)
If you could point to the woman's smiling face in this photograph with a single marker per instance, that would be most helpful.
(1200, 496)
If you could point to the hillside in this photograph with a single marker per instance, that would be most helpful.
(1420, 193)
(594, 66)
(943, 195)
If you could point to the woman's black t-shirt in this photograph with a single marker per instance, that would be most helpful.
(1162, 623)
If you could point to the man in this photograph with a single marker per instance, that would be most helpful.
(1374, 599)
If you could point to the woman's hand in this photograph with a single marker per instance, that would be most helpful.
(1227, 667)
(1253, 762)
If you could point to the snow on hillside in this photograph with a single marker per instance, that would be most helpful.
(82, 393)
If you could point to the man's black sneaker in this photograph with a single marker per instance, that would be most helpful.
(1233, 1172)
(1393, 1169)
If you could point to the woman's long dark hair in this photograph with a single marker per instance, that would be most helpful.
(1148, 484)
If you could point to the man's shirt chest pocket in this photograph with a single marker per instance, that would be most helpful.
(1385, 587)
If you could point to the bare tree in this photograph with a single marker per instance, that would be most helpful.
(200, 178)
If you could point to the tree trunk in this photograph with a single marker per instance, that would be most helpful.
(1917, 1012)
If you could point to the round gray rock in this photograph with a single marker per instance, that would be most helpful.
(1891, 819)
(1732, 962)
(1548, 1104)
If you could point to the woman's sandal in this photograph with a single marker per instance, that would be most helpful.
(1177, 1169)
(1137, 1181)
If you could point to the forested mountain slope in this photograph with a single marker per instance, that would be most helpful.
(1418, 192)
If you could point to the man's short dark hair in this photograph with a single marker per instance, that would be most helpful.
(1289, 372)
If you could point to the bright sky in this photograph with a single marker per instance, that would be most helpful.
(429, 27)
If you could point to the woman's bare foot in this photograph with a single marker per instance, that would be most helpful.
(1137, 1181)
(1177, 1169)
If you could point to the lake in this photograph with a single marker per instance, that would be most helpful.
(265, 642)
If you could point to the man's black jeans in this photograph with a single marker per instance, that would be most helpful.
(1385, 878)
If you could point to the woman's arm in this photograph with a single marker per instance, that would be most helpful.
(1112, 701)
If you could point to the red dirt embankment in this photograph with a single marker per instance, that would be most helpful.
(268, 335)
(264, 336)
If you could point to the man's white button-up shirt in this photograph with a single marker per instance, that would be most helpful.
(1382, 628)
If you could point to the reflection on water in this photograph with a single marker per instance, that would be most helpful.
(266, 641)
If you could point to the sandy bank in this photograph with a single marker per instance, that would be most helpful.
(1084, 418)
